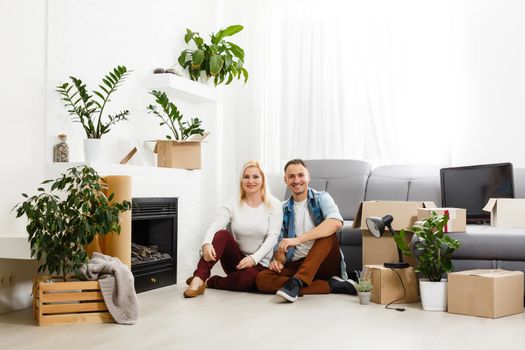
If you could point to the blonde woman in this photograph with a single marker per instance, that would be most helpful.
(256, 218)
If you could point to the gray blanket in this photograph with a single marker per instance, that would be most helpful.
(116, 284)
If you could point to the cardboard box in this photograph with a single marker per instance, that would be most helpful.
(506, 212)
(384, 249)
(388, 288)
(485, 293)
(179, 154)
(457, 218)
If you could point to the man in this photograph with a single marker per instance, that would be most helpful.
(308, 254)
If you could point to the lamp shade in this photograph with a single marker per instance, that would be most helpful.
(377, 225)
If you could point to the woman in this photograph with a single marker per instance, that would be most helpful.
(256, 219)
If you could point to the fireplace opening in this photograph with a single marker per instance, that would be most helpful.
(154, 242)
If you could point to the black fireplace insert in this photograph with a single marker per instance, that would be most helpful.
(154, 242)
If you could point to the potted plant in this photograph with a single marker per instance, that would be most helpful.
(433, 251)
(177, 151)
(364, 287)
(220, 59)
(88, 108)
(63, 220)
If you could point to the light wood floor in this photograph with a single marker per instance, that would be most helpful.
(227, 320)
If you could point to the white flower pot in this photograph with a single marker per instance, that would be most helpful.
(364, 297)
(92, 150)
(433, 295)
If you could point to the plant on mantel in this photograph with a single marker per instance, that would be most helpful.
(65, 219)
(173, 119)
(220, 59)
(88, 109)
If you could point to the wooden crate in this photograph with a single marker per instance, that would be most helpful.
(59, 302)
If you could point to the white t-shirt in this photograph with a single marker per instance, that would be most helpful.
(256, 230)
(303, 223)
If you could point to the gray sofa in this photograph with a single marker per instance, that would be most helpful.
(352, 181)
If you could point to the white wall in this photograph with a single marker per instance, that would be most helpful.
(22, 104)
(491, 73)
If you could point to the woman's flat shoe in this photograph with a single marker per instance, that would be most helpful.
(188, 280)
(192, 293)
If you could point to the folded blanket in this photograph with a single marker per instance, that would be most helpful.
(116, 284)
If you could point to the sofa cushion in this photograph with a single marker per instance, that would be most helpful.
(404, 182)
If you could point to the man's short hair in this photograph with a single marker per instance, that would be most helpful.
(294, 162)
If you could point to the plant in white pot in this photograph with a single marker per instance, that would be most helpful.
(433, 251)
(364, 286)
(88, 108)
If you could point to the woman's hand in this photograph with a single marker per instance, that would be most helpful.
(276, 266)
(208, 252)
(245, 263)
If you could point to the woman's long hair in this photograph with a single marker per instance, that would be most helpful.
(265, 195)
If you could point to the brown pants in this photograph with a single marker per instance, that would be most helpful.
(322, 262)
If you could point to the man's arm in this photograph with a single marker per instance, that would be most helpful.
(327, 228)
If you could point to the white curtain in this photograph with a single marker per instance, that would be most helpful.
(355, 79)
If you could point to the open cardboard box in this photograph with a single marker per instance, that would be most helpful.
(180, 154)
(506, 212)
(384, 249)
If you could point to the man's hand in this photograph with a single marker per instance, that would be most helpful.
(276, 266)
(208, 252)
(287, 243)
(245, 263)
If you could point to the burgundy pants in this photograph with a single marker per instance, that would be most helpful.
(228, 253)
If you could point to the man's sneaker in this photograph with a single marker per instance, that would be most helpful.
(340, 286)
(290, 290)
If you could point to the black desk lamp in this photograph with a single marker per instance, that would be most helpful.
(376, 225)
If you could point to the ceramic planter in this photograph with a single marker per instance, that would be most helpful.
(364, 297)
(433, 295)
(92, 150)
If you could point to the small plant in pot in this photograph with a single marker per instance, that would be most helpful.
(64, 220)
(433, 251)
(88, 108)
(220, 59)
(364, 286)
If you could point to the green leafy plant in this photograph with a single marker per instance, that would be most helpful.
(220, 59)
(434, 247)
(364, 283)
(88, 109)
(63, 220)
(172, 118)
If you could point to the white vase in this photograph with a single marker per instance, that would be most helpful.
(92, 150)
(364, 297)
(433, 295)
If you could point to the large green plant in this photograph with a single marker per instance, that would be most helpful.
(63, 220)
(172, 118)
(220, 59)
(434, 247)
(88, 109)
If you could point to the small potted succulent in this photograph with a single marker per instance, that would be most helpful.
(364, 286)
(87, 108)
(433, 251)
